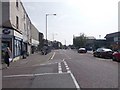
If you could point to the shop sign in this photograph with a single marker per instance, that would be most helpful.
(18, 35)
(18, 38)
(6, 31)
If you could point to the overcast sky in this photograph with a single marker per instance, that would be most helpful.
(91, 17)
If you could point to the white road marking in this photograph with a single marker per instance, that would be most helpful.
(53, 55)
(67, 68)
(59, 68)
(76, 84)
(45, 64)
(35, 65)
(101, 59)
(68, 71)
(31, 75)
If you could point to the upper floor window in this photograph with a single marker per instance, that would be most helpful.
(16, 3)
(17, 22)
(24, 26)
(24, 16)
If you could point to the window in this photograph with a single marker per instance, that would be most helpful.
(115, 39)
(17, 47)
(17, 22)
(24, 16)
(16, 3)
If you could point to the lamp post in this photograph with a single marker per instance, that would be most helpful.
(46, 23)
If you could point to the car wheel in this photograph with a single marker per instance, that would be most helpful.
(100, 56)
(94, 55)
(114, 58)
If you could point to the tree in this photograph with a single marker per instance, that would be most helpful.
(80, 41)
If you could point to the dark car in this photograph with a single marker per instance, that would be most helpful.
(103, 53)
(116, 56)
(82, 50)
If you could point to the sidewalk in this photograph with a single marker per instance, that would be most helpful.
(33, 59)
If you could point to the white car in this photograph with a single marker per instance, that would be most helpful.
(82, 50)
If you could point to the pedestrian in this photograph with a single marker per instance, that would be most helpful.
(7, 56)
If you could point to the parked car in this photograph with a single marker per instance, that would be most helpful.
(103, 53)
(116, 56)
(82, 50)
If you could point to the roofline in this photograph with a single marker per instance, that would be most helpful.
(111, 33)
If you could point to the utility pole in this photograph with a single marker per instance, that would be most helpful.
(47, 23)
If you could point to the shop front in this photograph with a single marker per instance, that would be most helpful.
(13, 40)
(7, 40)
(17, 47)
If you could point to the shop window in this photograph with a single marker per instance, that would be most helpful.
(5, 44)
(17, 3)
(17, 47)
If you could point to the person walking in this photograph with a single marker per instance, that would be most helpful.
(7, 56)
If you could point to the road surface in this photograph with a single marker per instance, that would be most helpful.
(62, 69)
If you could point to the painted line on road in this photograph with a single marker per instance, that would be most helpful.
(59, 68)
(76, 84)
(68, 71)
(44, 64)
(31, 75)
(53, 55)
(101, 59)
(66, 66)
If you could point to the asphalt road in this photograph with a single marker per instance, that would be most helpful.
(62, 69)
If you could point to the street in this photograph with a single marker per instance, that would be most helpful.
(61, 69)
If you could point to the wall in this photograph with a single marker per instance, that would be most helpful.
(17, 11)
(34, 33)
(5, 13)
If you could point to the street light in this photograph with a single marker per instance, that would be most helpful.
(46, 23)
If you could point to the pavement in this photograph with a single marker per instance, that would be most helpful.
(30, 60)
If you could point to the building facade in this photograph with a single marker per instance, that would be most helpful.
(113, 40)
(90, 42)
(41, 41)
(12, 27)
(34, 39)
(99, 43)
(16, 29)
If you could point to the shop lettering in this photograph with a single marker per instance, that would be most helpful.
(6, 31)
